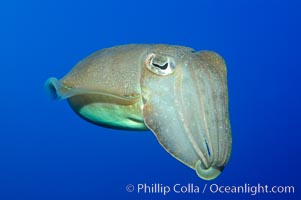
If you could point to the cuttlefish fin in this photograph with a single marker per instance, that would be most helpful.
(57, 90)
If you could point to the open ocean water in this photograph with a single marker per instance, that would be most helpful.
(47, 152)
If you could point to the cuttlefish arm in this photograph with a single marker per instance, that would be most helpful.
(187, 111)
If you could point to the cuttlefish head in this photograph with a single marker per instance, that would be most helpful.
(179, 94)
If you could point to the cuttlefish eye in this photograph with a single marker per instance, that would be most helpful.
(160, 64)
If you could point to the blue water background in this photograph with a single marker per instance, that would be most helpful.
(47, 152)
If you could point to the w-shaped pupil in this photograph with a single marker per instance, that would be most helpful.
(161, 66)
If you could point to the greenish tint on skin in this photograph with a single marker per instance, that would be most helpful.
(179, 94)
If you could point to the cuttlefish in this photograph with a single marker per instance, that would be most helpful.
(178, 93)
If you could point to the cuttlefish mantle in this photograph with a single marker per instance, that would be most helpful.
(179, 94)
